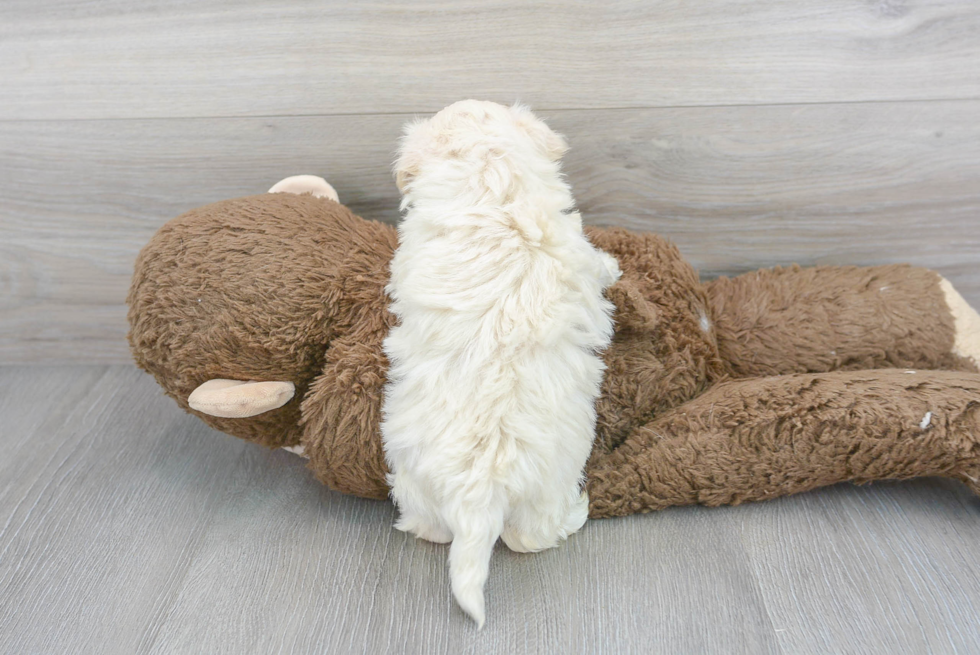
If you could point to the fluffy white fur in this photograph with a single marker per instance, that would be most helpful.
(489, 408)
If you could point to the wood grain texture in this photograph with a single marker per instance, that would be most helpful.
(127, 526)
(869, 557)
(736, 187)
(119, 59)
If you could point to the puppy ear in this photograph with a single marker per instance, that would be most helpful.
(409, 156)
(402, 177)
(548, 141)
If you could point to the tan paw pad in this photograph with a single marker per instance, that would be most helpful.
(966, 323)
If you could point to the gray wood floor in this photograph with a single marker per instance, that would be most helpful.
(119, 59)
(127, 526)
(736, 187)
(752, 133)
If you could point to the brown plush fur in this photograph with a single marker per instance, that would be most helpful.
(262, 288)
(766, 437)
(291, 288)
(813, 320)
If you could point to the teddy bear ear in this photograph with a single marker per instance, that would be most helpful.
(306, 184)
(633, 311)
(239, 399)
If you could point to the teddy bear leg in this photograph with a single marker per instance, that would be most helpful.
(812, 320)
(766, 437)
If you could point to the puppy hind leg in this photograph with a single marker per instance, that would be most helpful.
(417, 514)
(525, 537)
(577, 515)
(429, 528)
(537, 526)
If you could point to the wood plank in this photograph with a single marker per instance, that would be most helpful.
(737, 187)
(131, 527)
(100, 505)
(889, 568)
(119, 59)
(128, 526)
(331, 572)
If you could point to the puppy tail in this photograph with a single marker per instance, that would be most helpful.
(469, 565)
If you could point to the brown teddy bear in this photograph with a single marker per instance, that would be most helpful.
(265, 316)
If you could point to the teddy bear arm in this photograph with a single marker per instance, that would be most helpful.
(341, 415)
(810, 320)
(756, 439)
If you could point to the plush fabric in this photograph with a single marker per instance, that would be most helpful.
(761, 438)
(740, 389)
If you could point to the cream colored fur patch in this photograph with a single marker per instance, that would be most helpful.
(296, 450)
(311, 184)
(966, 322)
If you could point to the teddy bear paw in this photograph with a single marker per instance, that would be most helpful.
(966, 323)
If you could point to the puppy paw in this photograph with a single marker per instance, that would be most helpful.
(548, 530)
(578, 514)
(611, 269)
(437, 534)
(521, 542)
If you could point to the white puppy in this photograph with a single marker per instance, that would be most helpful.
(489, 408)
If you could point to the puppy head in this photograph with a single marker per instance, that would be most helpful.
(477, 142)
